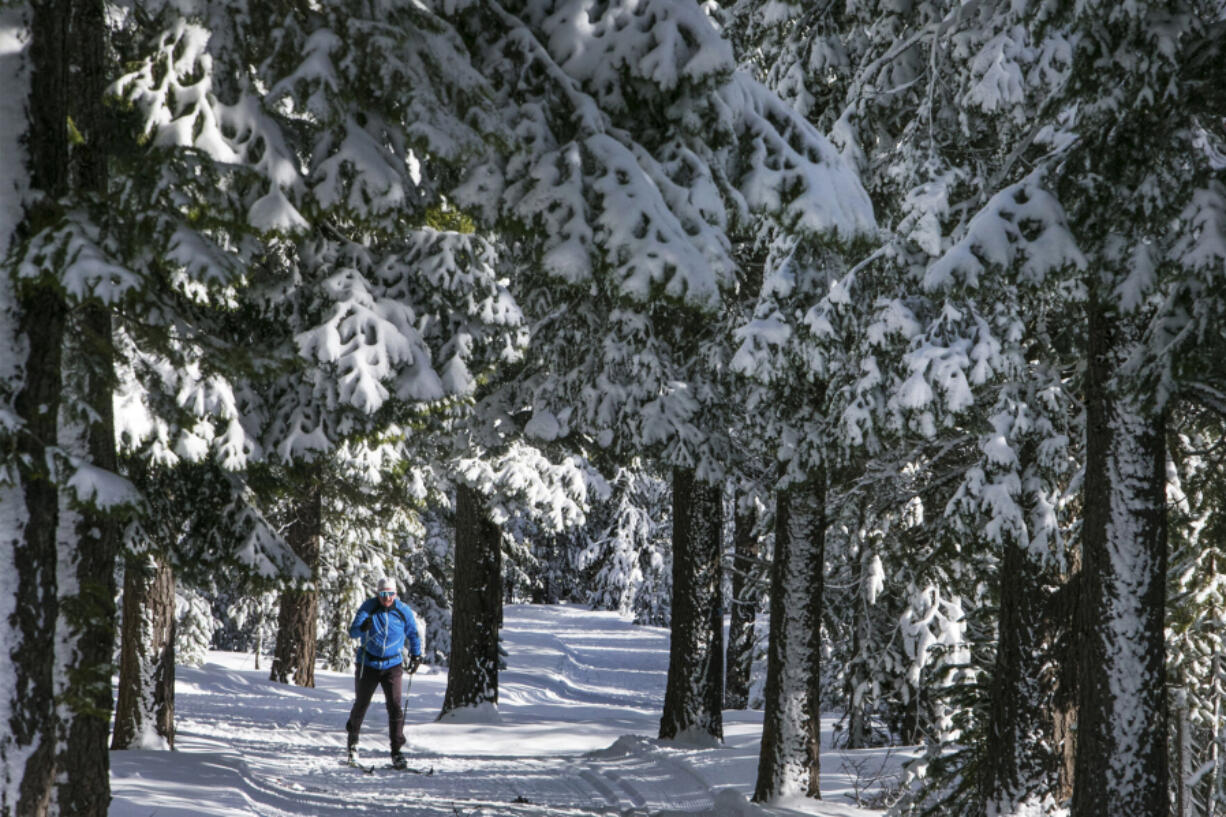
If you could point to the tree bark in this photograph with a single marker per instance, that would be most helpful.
(83, 782)
(28, 749)
(859, 680)
(1122, 713)
(1017, 765)
(694, 692)
(294, 654)
(87, 614)
(1061, 633)
(146, 706)
(745, 596)
(476, 605)
(790, 762)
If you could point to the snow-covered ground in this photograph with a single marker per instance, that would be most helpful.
(574, 735)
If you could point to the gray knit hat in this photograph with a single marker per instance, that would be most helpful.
(386, 583)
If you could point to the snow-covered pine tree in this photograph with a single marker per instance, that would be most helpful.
(1000, 287)
(93, 501)
(920, 84)
(634, 267)
(859, 71)
(1022, 226)
(66, 274)
(138, 256)
(194, 626)
(353, 282)
(1195, 670)
(1196, 620)
(651, 154)
(37, 309)
(1139, 186)
(624, 564)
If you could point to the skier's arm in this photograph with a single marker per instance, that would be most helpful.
(362, 618)
(411, 632)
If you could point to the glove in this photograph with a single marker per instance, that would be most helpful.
(366, 626)
(414, 663)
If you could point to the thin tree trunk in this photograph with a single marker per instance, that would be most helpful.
(27, 747)
(694, 693)
(1122, 712)
(1062, 635)
(1017, 765)
(790, 762)
(145, 713)
(294, 654)
(859, 724)
(476, 606)
(83, 783)
(745, 596)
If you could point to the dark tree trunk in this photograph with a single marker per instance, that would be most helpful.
(88, 615)
(294, 655)
(83, 782)
(1122, 714)
(1061, 633)
(859, 721)
(476, 605)
(1017, 764)
(27, 744)
(32, 710)
(693, 696)
(745, 596)
(790, 761)
(146, 705)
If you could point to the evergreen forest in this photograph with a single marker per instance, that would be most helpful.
(876, 348)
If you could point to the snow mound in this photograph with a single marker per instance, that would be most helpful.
(727, 803)
(622, 747)
(481, 713)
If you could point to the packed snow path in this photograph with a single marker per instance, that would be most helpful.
(574, 735)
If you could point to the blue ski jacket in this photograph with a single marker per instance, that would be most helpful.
(382, 643)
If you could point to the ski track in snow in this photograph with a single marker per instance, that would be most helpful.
(579, 704)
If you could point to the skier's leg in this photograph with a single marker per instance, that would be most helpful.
(391, 679)
(364, 684)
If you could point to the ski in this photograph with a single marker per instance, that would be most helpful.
(371, 769)
(414, 770)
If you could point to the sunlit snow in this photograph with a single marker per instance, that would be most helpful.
(579, 708)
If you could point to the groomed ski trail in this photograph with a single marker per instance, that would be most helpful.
(573, 736)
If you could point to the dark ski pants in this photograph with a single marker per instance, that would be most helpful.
(365, 679)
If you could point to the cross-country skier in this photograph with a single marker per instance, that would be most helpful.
(382, 623)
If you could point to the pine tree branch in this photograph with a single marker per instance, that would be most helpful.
(1205, 395)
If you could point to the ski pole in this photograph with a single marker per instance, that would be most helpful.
(404, 705)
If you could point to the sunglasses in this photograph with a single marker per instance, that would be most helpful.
(387, 594)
